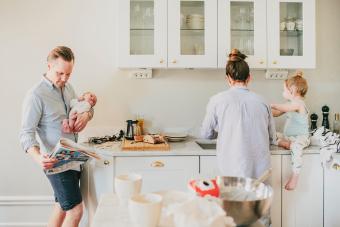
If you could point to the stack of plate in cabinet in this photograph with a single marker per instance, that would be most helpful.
(175, 137)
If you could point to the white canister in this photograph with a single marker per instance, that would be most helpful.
(290, 25)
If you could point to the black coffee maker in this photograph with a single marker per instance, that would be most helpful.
(130, 129)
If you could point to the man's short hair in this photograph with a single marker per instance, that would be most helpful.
(61, 52)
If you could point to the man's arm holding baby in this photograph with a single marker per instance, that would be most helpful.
(82, 120)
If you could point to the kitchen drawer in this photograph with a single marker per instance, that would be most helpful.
(160, 173)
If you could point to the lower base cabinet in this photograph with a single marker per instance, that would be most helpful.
(303, 207)
(162, 172)
(331, 198)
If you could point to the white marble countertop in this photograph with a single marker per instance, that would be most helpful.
(109, 213)
(187, 148)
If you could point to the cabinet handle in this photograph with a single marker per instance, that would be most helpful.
(274, 62)
(261, 62)
(161, 61)
(174, 61)
(106, 162)
(157, 164)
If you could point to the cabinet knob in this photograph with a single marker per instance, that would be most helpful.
(261, 62)
(106, 162)
(161, 61)
(157, 164)
(274, 62)
(174, 61)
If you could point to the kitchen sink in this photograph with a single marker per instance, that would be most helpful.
(206, 145)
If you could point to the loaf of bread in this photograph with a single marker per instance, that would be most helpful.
(153, 139)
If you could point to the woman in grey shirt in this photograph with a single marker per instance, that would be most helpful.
(243, 123)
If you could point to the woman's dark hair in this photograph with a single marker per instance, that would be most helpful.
(237, 68)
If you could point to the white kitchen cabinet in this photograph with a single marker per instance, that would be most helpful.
(192, 34)
(291, 33)
(304, 205)
(99, 176)
(142, 33)
(162, 172)
(174, 34)
(275, 182)
(208, 166)
(242, 25)
(331, 198)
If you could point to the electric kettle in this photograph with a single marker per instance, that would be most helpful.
(131, 129)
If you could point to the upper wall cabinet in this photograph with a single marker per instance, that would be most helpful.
(142, 33)
(242, 25)
(291, 33)
(192, 34)
(174, 34)
(184, 33)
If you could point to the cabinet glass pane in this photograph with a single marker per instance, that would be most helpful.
(192, 28)
(291, 29)
(242, 26)
(142, 27)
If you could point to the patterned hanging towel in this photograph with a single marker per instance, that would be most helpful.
(329, 143)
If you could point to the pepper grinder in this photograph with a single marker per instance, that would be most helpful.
(313, 119)
(325, 113)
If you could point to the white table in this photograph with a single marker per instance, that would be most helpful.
(110, 214)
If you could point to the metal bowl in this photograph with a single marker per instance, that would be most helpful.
(249, 205)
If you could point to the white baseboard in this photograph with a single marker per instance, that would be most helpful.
(23, 224)
(21, 211)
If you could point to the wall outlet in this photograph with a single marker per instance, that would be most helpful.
(141, 74)
(276, 74)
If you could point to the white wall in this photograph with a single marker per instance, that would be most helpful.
(174, 98)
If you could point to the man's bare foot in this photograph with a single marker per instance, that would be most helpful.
(292, 182)
(284, 143)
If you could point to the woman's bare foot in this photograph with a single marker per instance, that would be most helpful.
(292, 182)
(284, 143)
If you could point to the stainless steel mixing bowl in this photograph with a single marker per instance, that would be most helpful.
(253, 204)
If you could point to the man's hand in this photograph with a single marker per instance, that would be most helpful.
(81, 122)
(43, 160)
(46, 162)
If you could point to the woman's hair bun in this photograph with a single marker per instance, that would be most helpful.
(236, 55)
(299, 73)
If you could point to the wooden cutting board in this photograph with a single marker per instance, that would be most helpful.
(131, 145)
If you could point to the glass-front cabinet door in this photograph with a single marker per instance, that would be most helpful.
(192, 34)
(242, 25)
(142, 33)
(291, 32)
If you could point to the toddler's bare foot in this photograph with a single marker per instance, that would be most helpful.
(292, 182)
(285, 144)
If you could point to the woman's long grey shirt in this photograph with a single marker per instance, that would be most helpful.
(245, 128)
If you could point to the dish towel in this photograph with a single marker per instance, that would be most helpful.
(330, 144)
(199, 212)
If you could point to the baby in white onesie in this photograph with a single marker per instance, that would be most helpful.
(80, 105)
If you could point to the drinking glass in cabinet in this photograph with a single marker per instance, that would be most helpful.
(192, 33)
(242, 26)
(142, 27)
(291, 29)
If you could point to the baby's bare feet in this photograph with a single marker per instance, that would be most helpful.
(292, 182)
(285, 144)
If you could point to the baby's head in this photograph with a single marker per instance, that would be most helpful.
(90, 98)
(295, 86)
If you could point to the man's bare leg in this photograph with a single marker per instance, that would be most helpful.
(73, 216)
(57, 217)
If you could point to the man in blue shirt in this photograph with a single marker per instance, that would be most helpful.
(46, 105)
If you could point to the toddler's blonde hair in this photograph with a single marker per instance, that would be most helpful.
(298, 82)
